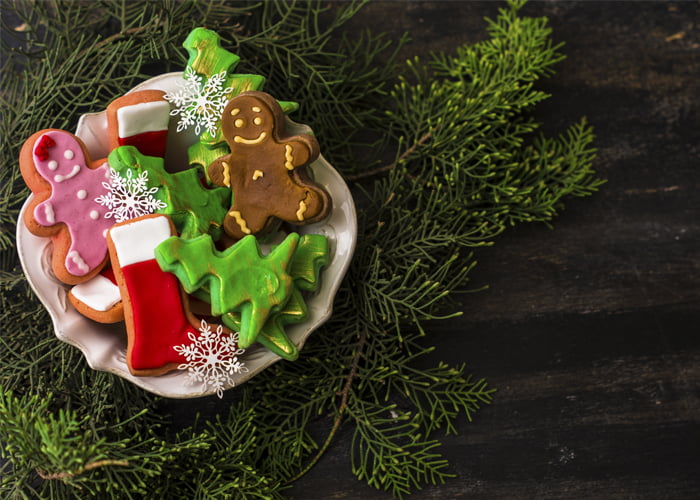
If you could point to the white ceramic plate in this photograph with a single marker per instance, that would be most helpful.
(104, 346)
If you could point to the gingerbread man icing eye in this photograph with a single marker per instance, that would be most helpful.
(266, 168)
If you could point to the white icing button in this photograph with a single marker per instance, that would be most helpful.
(68, 154)
(82, 194)
(53, 165)
(94, 214)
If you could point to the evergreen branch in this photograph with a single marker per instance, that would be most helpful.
(402, 157)
(389, 454)
(87, 467)
(107, 41)
(341, 408)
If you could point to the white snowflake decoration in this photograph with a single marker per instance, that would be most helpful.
(129, 197)
(200, 103)
(212, 358)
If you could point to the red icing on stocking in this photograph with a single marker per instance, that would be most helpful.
(148, 143)
(158, 318)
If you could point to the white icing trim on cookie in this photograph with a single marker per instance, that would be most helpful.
(143, 117)
(78, 261)
(98, 293)
(136, 241)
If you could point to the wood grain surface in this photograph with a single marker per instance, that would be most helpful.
(591, 330)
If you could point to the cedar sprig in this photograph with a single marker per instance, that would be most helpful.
(390, 452)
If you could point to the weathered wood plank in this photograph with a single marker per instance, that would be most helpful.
(589, 330)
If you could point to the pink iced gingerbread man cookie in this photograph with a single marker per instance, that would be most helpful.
(65, 182)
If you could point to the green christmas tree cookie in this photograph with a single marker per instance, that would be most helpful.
(194, 209)
(308, 259)
(238, 279)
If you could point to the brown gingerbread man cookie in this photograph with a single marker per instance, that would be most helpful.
(266, 168)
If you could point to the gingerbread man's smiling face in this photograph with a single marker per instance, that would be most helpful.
(251, 121)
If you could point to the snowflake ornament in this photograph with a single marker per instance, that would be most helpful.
(129, 197)
(199, 102)
(212, 358)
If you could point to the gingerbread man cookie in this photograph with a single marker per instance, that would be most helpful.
(266, 168)
(65, 182)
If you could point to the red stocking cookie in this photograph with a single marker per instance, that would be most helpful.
(139, 119)
(265, 169)
(65, 182)
(155, 310)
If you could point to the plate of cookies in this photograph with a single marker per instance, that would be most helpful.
(191, 234)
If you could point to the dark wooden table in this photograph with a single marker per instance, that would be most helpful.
(590, 331)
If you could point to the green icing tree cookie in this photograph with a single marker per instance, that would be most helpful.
(308, 259)
(311, 255)
(273, 335)
(194, 209)
(238, 279)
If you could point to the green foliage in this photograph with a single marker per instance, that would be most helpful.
(77, 452)
(469, 162)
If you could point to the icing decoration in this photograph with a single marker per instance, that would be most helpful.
(194, 209)
(240, 278)
(207, 58)
(78, 260)
(288, 158)
(302, 210)
(156, 317)
(129, 197)
(212, 358)
(140, 119)
(60, 178)
(59, 206)
(227, 174)
(98, 293)
(98, 298)
(265, 168)
(240, 221)
(257, 140)
(49, 213)
(41, 150)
